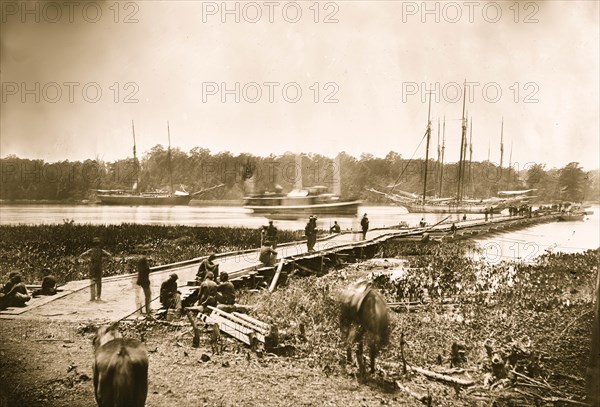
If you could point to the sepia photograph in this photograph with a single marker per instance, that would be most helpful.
(299, 203)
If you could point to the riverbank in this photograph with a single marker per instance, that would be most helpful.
(541, 321)
(30, 249)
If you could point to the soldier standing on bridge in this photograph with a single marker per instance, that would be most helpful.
(95, 256)
(143, 281)
(272, 234)
(311, 233)
(364, 223)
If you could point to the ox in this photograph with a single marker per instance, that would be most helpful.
(120, 369)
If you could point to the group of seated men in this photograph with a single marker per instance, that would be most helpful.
(14, 292)
(209, 293)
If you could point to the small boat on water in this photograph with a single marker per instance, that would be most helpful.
(573, 213)
(571, 216)
(301, 202)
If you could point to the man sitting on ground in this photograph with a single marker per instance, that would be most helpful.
(226, 290)
(207, 265)
(9, 284)
(17, 296)
(48, 284)
(170, 297)
(208, 291)
(335, 228)
(267, 256)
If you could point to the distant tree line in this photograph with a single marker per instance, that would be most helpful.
(198, 169)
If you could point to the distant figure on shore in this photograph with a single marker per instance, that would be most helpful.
(170, 297)
(464, 217)
(422, 223)
(225, 290)
(364, 223)
(271, 234)
(95, 255)
(143, 281)
(486, 212)
(335, 228)
(48, 284)
(453, 229)
(310, 231)
(267, 256)
(17, 296)
(207, 265)
(208, 291)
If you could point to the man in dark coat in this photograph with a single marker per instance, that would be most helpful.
(170, 297)
(207, 265)
(310, 231)
(364, 223)
(95, 255)
(271, 234)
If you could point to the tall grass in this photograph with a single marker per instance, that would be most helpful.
(29, 249)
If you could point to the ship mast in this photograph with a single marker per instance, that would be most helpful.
(427, 149)
(169, 159)
(463, 140)
(510, 166)
(471, 186)
(501, 147)
(136, 164)
(438, 150)
(442, 161)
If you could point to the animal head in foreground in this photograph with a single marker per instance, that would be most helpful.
(120, 369)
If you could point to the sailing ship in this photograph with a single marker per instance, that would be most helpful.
(135, 198)
(458, 204)
(301, 202)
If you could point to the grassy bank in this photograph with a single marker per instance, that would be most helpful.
(30, 249)
(539, 316)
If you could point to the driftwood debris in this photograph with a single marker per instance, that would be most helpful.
(242, 327)
(444, 378)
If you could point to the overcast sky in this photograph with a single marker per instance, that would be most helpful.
(174, 60)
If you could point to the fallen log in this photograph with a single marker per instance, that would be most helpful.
(445, 378)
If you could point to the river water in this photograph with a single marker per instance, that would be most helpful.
(521, 245)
